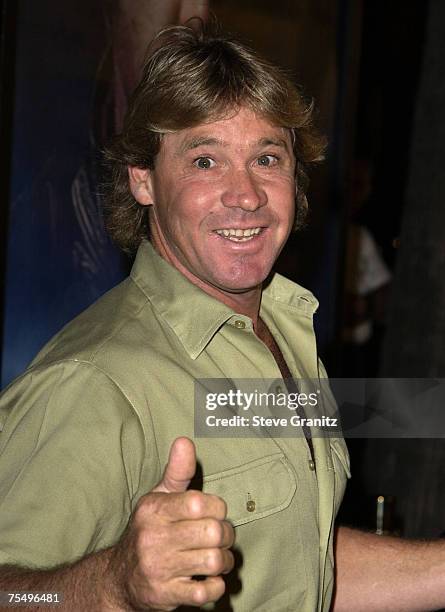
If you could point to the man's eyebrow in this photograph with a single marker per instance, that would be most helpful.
(277, 142)
(201, 141)
(205, 141)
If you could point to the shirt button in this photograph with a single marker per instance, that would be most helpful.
(311, 465)
(240, 324)
(250, 506)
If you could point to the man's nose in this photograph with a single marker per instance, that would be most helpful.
(244, 191)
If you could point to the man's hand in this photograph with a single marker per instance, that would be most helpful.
(173, 536)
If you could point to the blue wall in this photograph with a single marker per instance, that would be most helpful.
(59, 259)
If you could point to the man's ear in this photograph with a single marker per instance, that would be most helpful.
(140, 180)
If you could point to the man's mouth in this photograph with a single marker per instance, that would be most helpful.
(239, 235)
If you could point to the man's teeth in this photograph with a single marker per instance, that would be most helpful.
(239, 235)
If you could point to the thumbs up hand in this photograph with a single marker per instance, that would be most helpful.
(173, 535)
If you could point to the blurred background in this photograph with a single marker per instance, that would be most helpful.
(373, 252)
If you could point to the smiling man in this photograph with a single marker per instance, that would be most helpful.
(106, 497)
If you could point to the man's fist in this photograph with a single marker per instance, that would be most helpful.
(173, 536)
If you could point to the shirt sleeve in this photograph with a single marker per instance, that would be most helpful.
(330, 408)
(71, 456)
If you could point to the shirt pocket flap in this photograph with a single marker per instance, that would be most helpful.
(254, 490)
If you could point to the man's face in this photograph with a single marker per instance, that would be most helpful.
(222, 199)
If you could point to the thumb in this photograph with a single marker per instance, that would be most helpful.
(180, 468)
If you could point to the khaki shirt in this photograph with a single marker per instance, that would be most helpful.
(86, 431)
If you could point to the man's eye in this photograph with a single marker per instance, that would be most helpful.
(204, 163)
(267, 160)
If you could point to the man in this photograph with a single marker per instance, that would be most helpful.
(208, 165)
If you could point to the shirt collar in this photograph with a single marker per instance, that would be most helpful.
(280, 290)
(194, 316)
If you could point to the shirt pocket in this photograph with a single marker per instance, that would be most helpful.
(254, 490)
